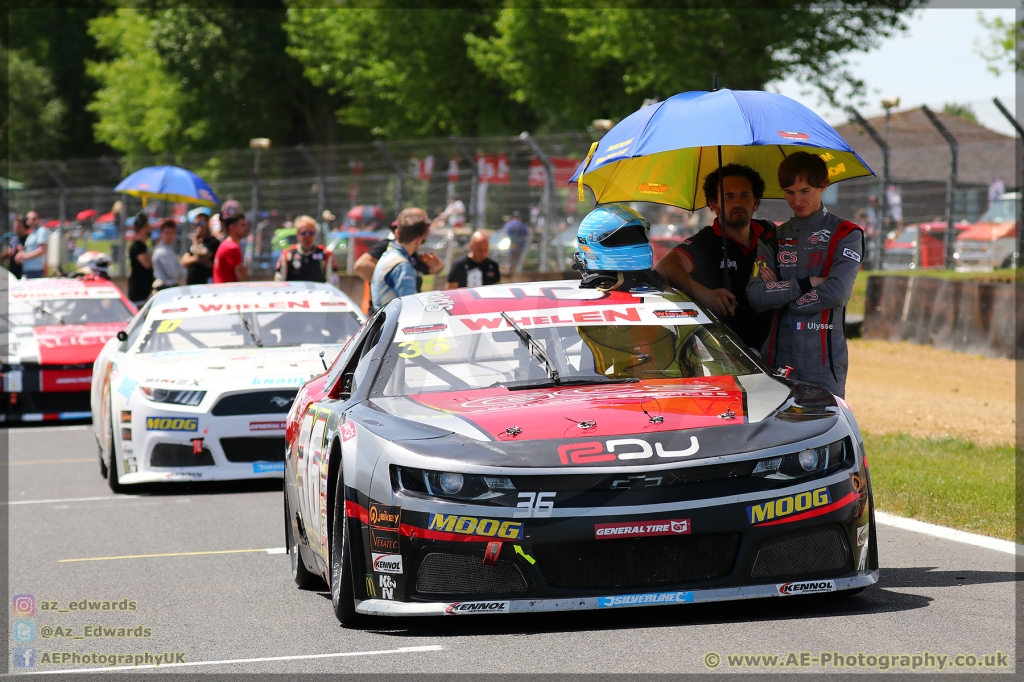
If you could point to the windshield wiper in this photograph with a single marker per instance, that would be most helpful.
(534, 348)
(43, 309)
(255, 339)
(574, 381)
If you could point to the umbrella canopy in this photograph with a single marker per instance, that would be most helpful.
(662, 152)
(87, 214)
(366, 214)
(169, 183)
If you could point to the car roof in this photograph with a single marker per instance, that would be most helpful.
(62, 287)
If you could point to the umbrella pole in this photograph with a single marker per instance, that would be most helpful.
(721, 220)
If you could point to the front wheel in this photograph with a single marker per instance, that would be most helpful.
(111, 467)
(342, 592)
(303, 578)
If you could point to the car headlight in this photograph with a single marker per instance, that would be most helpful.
(807, 462)
(451, 485)
(163, 395)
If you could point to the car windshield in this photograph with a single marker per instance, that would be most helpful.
(249, 329)
(579, 354)
(1001, 211)
(908, 235)
(41, 312)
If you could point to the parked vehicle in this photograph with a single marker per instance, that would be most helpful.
(918, 246)
(992, 241)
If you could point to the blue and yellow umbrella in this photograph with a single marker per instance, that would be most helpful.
(168, 183)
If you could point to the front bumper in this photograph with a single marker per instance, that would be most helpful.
(36, 393)
(384, 607)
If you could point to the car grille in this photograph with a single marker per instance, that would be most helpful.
(635, 562)
(251, 449)
(174, 455)
(255, 402)
(443, 573)
(821, 551)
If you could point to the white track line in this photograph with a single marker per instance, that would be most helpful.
(403, 650)
(1004, 546)
(108, 498)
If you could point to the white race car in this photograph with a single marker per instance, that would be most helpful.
(199, 385)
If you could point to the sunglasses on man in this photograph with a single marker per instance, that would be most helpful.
(307, 233)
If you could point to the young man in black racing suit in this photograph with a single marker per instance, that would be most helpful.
(696, 266)
(306, 261)
(808, 281)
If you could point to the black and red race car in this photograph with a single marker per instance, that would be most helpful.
(547, 447)
(55, 329)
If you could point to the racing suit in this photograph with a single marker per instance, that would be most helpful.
(807, 332)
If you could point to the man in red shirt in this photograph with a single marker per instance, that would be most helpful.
(228, 264)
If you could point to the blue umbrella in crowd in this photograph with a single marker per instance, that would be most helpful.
(168, 183)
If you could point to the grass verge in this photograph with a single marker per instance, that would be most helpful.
(948, 481)
(860, 287)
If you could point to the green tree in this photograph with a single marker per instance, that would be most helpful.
(573, 65)
(999, 47)
(200, 78)
(35, 112)
(964, 111)
(55, 38)
(404, 72)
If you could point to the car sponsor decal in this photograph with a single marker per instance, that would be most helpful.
(384, 516)
(862, 536)
(387, 563)
(807, 587)
(642, 599)
(387, 586)
(472, 525)
(641, 529)
(268, 426)
(798, 507)
(576, 316)
(424, 328)
(592, 452)
(348, 431)
(384, 540)
(464, 607)
(172, 424)
(682, 312)
(267, 467)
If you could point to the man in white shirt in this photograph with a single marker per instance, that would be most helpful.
(33, 255)
(167, 271)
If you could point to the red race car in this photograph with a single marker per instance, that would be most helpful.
(56, 328)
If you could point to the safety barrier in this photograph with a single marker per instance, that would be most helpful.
(966, 316)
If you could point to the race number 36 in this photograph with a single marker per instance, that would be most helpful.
(536, 505)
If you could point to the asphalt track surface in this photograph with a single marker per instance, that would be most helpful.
(223, 607)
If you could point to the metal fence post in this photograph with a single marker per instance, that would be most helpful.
(399, 174)
(321, 198)
(1020, 204)
(883, 195)
(63, 190)
(545, 202)
(474, 178)
(950, 187)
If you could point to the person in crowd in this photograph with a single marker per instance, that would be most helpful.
(454, 214)
(13, 245)
(808, 281)
(305, 261)
(696, 265)
(423, 263)
(167, 271)
(228, 264)
(517, 232)
(394, 274)
(474, 269)
(198, 260)
(32, 257)
(140, 278)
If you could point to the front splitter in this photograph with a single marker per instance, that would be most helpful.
(384, 607)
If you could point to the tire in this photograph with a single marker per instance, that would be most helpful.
(342, 591)
(300, 574)
(111, 467)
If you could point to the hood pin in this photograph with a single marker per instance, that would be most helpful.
(728, 414)
(513, 430)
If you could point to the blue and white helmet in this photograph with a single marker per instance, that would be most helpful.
(615, 237)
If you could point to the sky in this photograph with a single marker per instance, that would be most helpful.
(932, 63)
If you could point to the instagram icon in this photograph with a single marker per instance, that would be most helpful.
(24, 605)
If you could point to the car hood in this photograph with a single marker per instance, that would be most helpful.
(60, 344)
(704, 417)
(221, 367)
(987, 232)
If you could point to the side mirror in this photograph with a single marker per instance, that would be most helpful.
(122, 336)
